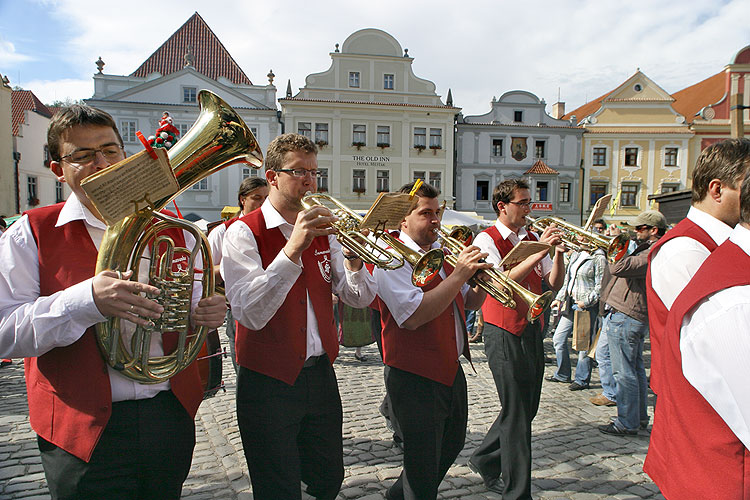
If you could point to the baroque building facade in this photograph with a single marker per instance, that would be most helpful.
(518, 139)
(377, 125)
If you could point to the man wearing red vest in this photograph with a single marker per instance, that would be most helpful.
(280, 265)
(101, 435)
(513, 346)
(424, 333)
(699, 444)
(677, 256)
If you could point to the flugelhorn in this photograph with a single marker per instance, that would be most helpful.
(499, 286)
(578, 239)
(391, 255)
(218, 138)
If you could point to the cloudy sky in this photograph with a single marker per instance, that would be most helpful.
(479, 49)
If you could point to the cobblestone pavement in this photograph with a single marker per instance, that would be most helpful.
(571, 458)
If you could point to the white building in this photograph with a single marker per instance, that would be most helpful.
(517, 138)
(378, 125)
(34, 183)
(192, 59)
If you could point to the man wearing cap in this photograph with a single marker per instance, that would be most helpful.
(626, 325)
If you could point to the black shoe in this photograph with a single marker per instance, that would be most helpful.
(575, 386)
(552, 378)
(6, 362)
(643, 425)
(398, 442)
(359, 357)
(612, 429)
(493, 484)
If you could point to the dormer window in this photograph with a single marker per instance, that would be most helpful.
(354, 79)
(518, 116)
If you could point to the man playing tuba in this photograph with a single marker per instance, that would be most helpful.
(101, 435)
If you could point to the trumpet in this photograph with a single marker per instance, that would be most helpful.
(578, 239)
(390, 256)
(499, 286)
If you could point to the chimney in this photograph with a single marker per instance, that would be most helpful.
(558, 110)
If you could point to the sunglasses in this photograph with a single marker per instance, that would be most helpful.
(643, 227)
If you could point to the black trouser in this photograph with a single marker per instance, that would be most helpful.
(292, 432)
(433, 422)
(517, 365)
(144, 452)
(386, 407)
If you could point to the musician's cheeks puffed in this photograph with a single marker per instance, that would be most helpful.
(210, 311)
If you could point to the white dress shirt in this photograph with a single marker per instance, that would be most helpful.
(403, 298)
(31, 325)
(677, 260)
(256, 294)
(215, 240)
(485, 243)
(715, 347)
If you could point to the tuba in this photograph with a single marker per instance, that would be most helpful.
(499, 286)
(578, 239)
(218, 138)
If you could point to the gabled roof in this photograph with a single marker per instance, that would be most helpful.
(539, 167)
(22, 101)
(690, 100)
(587, 109)
(208, 54)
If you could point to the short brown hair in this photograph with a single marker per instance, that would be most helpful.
(726, 160)
(249, 185)
(424, 191)
(284, 144)
(504, 191)
(745, 199)
(76, 115)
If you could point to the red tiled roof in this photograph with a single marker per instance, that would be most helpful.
(691, 100)
(587, 109)
(541, 168)
(210, 58)
(22, 101)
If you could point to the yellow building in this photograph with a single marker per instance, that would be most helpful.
(7, 158)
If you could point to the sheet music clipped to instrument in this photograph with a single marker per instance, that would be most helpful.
(388, 211)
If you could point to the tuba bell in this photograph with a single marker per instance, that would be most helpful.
(218, 138)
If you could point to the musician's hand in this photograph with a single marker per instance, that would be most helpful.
(210, 312)
(554, 304)
(351, 260)
(118, 297)
(552, 235)
(580, 304)
(310, 224)
(470, 261)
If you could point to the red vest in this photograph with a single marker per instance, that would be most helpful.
(430, 350)
(59, 410)
(512, 320)
(231, 221)
(657, 311)
(692, 453)
(279, 349)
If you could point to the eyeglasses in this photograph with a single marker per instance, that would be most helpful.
(299, 172)
(525, 204)
(643, 227)
(83, 157)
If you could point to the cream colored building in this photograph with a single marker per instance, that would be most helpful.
(378, 125)
(635, 145)
(7, 158)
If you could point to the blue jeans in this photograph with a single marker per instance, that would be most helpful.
(560, 342)
(626, 337)
(609, 387)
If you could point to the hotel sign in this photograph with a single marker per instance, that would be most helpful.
(371, 160)
(546, 207)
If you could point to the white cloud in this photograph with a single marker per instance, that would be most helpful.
(49, 91)
(8, 54)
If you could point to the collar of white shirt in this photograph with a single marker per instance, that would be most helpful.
(406, 239)
(505, 231)
(75, 210)
(271, 215)
(716, 229)
(741, 237)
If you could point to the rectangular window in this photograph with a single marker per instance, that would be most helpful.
(201, 185)
(435, 179)
(31, 190)
(565, 192)
(189, 94)
(600, 157)
(631, 157)
(354, 79)
(670, 187)
(359, 135)
(518, 116)
(419, 174)
(59, 193)
(388, 82)
(542, 188)
(321, 134)
(384, 181)
(358, 180)
(248, 172)
(183, 128)
(497, 147)
(539, 147)
(596, 191)
(322, 180)
(420, 137)
(483, 190)
(127, 130)
(305, 128)
(670, 157)
(436, 138)
(629, 195)
(384, 136)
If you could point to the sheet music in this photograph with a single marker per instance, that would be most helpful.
(598, 210)
(521, 251)
(388, 211)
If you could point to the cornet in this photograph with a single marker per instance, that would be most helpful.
(499, 286)
(579, 239)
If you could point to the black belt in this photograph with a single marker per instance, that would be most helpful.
(313, 360)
